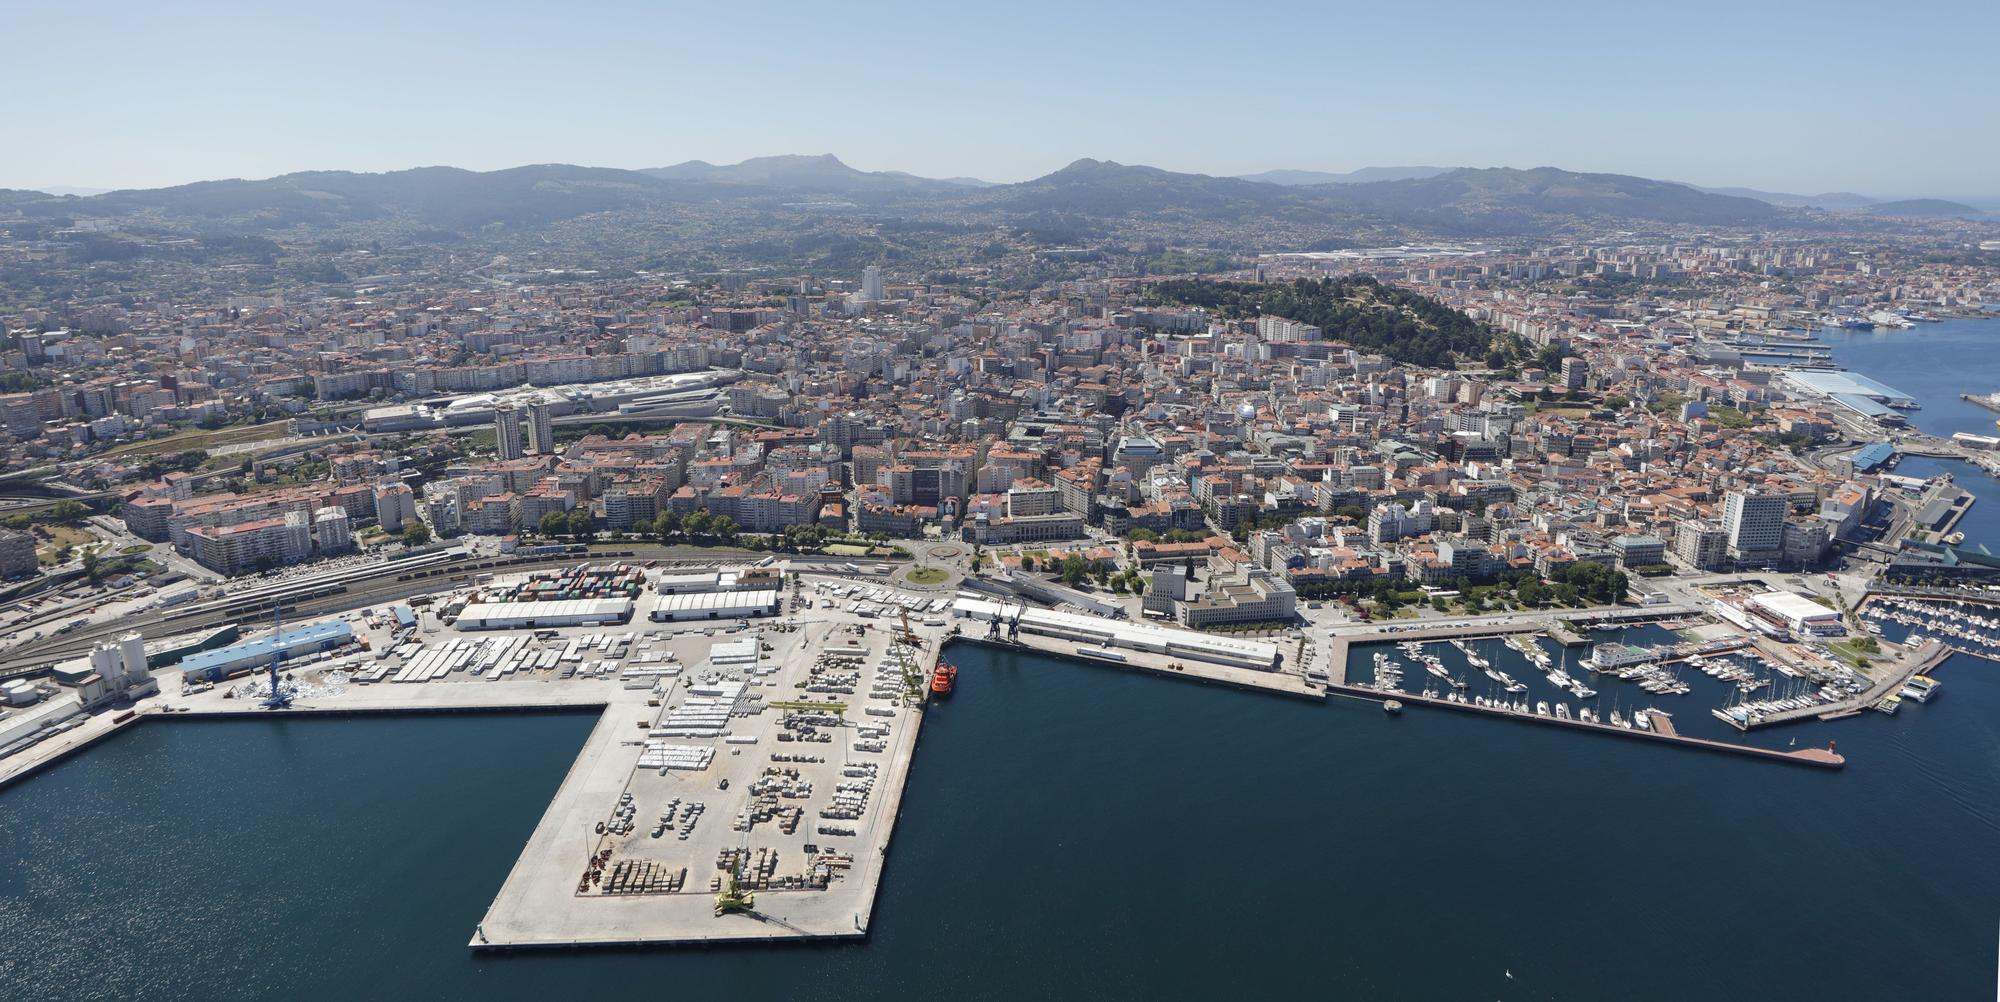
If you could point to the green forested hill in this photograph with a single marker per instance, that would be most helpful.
(1358, 310)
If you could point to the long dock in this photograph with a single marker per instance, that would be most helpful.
(1339, 645)
(1823, 758)
(1983, 400)
(1343, 638)
(1930, 655)
(539, 903)
(496, 697)
(1275, 683)
(52, 749)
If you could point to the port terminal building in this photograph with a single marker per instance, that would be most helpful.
(1866, 397)
(1094, 631)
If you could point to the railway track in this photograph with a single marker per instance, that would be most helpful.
(319, 597)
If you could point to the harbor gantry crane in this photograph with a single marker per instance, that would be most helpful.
(1011, 622)
(909, 636)
(277, 700)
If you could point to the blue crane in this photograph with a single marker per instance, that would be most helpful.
(277, 700)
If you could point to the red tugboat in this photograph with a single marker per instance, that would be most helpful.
(943, 678)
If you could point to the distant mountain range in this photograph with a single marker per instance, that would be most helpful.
(1847, 201)
(1309, 206)
(1463, 201)
(824, 173)
(1924, 207)
(1836, 200)
(1362, 176)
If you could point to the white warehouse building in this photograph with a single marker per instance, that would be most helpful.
(539, 615)
(1797, 613)
(716, 605)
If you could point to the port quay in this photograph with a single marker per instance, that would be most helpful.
(756, 723)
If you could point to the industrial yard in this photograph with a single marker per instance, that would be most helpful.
(746, 789)
(742, 779)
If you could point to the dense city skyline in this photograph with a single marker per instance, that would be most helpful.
(1570, 429)
(934, 93)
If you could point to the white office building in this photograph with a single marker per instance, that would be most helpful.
(1755, 523)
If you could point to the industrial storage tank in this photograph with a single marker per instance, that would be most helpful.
(19, 692)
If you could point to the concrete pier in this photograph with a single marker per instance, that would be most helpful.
(94, 727)
(1344, 639)
(539, 905)
(783, 666)
(1890, 678)
(1277, 683)
(1824, 758)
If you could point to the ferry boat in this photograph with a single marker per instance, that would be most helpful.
(1920, 688)
(1890, 704)
(944, 678)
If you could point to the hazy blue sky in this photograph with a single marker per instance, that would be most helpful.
(1884, 99)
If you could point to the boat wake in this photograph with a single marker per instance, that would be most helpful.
(1960, 794)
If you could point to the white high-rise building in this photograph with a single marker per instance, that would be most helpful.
(1279, 330)
(333, 529)
(395, 506)
(871, 284)
(1755, 523)
(541, 429)
(507, 432)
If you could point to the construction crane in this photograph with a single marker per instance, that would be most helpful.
(277, 700)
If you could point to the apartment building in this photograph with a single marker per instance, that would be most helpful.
(247, 546)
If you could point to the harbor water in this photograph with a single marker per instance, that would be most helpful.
(1070, 831)
(1082, 831)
